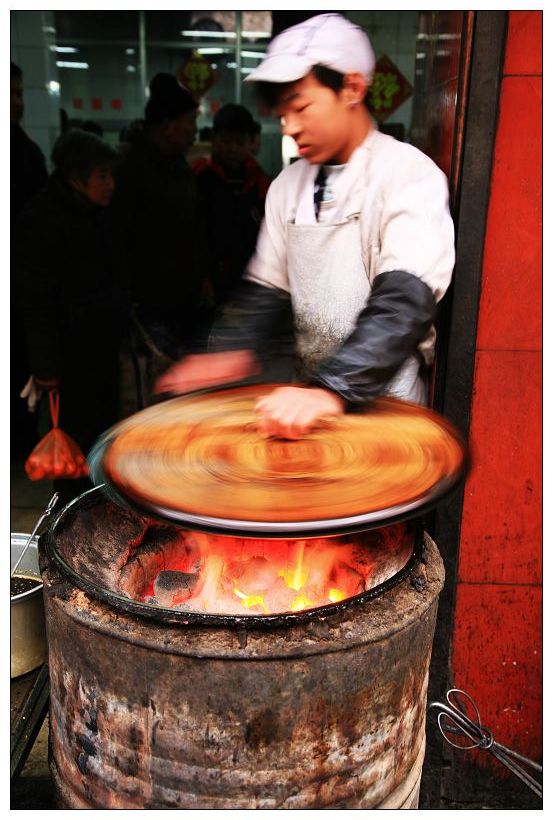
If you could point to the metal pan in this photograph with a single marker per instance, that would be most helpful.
(267, 528)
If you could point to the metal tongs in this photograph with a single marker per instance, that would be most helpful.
(45, 514)
(454, 720)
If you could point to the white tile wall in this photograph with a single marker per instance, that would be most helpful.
(393, 33)
(30, 49)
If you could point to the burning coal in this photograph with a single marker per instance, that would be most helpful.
(198, 572)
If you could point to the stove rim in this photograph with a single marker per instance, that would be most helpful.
(207, 619)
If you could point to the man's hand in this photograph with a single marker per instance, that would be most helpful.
(32, 393)
(34, 389)
(207, 370)
(290, 412)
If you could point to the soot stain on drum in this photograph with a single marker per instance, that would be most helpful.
(87, 745)
(261, 730)
(419, 578)
(82, 762)
(92, 724)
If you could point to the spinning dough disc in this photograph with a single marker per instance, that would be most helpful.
(199, 460)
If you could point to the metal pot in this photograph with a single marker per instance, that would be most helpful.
(28, 635)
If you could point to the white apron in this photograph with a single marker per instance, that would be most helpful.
(329, 287)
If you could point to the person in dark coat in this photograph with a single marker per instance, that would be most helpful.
(28, 175)
(72, 303)
(28, 172)
(159, 226)
(233, 187)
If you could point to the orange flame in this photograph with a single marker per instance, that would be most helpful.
(237, 575)
(335, 595)
(301, 602)
(252, 600)
(296, 577)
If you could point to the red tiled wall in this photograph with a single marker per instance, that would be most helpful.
(497, 627)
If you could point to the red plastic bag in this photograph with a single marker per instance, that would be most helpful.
(57, 455)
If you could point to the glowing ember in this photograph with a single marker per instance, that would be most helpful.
(301, 602)
(336, 595)
(252, 600)
(246, 576)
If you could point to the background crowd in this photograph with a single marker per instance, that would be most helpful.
(121, 258)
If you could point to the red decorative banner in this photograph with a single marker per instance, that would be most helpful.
(77, 102)
(389, 89)
(116, 104)
(96, 103)
(196, 74)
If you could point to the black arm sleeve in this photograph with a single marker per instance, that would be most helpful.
(251, 319)
(398, 314)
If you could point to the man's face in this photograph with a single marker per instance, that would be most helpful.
(98, 188)
(17, 106)
(255, 144)
(318, 118)
(180, 132)
(230, 149)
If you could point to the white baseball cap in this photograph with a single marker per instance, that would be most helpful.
(327, 39)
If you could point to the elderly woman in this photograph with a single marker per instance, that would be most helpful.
(73, 307)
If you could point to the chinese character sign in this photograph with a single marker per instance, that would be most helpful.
(196, 74)
(389, 89)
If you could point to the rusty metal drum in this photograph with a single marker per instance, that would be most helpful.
(328, 713)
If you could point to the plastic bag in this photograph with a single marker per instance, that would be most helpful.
(57, 455)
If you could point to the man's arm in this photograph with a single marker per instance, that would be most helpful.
(398, 314)
(414, 270)
(252, 317)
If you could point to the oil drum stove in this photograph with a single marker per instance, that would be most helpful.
(203, 671)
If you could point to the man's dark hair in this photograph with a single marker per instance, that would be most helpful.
(168, 99)
(93, 128)
(77, 154)
(234, 118)
(15, 71)
(269, 93)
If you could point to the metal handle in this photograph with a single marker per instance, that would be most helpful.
(45, 514)
(453, 720)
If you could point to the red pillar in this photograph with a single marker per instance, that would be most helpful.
(496, 654)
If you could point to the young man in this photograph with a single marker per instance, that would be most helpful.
(357, 238)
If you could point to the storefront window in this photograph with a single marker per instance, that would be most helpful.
(106, 59)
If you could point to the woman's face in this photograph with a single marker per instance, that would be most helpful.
(319, 119)
(98, 188)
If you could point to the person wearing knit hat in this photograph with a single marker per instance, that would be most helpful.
(160, 229)
(170, 114)
(357, 243)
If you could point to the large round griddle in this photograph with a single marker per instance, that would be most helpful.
(198, 460)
